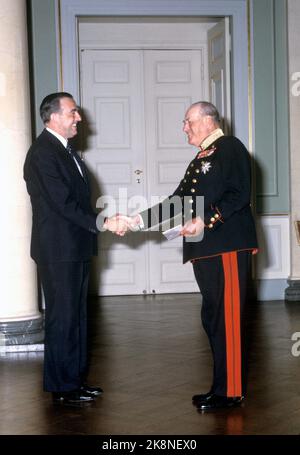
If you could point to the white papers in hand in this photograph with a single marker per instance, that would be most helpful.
(172, 233)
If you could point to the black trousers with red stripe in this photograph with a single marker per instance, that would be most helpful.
(223, 284)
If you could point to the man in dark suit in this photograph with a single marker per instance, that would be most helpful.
(219, 240)
(64, 238)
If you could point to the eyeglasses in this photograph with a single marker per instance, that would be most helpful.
(189, 122)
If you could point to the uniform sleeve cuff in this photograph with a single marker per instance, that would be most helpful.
(139, 224)
(213, 218)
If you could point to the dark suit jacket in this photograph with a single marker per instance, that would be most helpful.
(223, 179)
(63, 221)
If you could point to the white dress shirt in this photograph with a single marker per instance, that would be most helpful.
(64, 142)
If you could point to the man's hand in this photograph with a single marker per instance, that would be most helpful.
(120, 224)
(133, 222)
(192, 228)
(117, 224)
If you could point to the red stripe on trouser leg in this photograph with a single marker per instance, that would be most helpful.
(232, 324)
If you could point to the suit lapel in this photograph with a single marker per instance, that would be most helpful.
(67, 159)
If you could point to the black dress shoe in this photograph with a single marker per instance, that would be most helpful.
(201, 397)
(92, 390)
(217, 402)
(76, 396)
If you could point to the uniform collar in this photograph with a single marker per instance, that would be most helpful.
(214, 135)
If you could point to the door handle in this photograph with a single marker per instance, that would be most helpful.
(138, 172)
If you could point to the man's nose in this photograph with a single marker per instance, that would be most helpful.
(78, 117)
(185, 126)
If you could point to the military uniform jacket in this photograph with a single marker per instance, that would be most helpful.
(223, 179)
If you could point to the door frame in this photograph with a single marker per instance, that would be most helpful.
(68, 12)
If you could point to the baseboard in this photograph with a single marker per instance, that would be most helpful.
(271, 289)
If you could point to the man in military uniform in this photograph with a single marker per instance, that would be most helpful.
(219, 243)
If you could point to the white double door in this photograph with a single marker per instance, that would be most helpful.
(134, 102)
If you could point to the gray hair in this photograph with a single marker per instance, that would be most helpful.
(206, 108)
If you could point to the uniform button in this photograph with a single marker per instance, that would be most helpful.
(212, 219)
(191, 211)
(194, 181)
(210, 226)
(181, 189)
(216, 215)
(197, 171)
(192, 165)
(188, 172)
(184, 181)
(193, 190)
(191, 201)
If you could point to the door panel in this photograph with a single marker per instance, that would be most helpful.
(172, 82)
(112, 98)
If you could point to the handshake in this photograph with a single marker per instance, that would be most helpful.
(120, 224)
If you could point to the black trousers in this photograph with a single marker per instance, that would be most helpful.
(65, 286)
(223, 284)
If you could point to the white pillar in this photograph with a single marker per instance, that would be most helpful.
(293, 291)
(20, 320)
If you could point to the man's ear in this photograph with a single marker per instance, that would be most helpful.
(209, 122)
(53, 117)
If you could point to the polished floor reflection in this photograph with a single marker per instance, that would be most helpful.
(150, 354)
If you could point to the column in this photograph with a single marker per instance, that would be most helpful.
(292, 293)
(20, 319)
